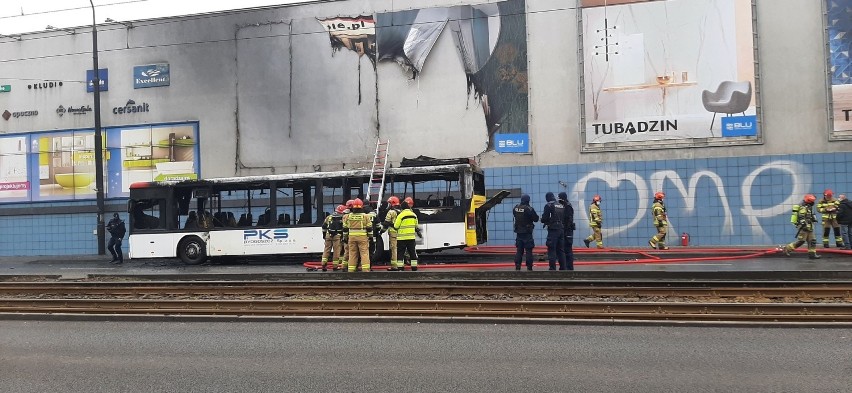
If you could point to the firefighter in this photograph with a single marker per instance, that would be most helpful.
(344, 240)
(357, 227)
(803, 218)
(387, 225)
(595, 222)
(661, 222)
(525, 218)
(332, 232)
(828, 206)
(407, 226)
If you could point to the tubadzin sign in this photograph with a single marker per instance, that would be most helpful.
(131, 107)
(152, 75)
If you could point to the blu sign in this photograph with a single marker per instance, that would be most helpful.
(739, 126)
(512, 143)
(152, 75)
(103, 77)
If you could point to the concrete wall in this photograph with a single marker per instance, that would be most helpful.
(261, 113)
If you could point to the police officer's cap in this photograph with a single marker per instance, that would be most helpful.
(525, 199)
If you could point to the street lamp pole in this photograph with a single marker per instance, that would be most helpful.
(99, 143)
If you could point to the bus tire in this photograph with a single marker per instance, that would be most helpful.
(192, 250)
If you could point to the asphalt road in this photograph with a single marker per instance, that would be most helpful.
(38, 356)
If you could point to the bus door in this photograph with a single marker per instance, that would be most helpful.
(482, 215)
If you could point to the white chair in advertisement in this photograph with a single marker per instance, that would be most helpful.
(729, 98)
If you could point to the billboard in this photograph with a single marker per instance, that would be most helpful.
(664, 72)
(839, 31)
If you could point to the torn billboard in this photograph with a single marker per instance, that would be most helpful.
(490, 40)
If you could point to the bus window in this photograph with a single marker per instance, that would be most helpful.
(148, 214)
(478, 183)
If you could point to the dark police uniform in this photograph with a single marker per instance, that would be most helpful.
(525, 219)
(554, 219)
(116, 230)
(569, 230)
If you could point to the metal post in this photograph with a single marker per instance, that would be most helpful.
(99, 143)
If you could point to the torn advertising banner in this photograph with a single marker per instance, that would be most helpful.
(407, 37)
(357, 34)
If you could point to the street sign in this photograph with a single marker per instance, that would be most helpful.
(5, 88)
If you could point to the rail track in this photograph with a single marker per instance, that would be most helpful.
(813, 302)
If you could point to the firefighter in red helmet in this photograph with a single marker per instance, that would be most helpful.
(804, 219)
(358, 227)
(595, 222)
(829, 207)
(661, 222)
(387, 225)
(332, 232)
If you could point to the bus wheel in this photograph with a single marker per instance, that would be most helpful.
(192, 250)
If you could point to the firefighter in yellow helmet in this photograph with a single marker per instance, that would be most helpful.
(407, 227)
(387, 225)
(661, 222)
(595, 222)
(829, 207)
(332, 233)
(357, 226)
(804, 219)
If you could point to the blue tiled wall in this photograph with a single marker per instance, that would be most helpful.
(749, 206)
(718, 201)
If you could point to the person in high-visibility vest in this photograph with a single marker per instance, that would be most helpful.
(829, 206)
(803, 219)
(387, 225)
(661, 222)
(595, 222)
(407, 227)
(357, 227)
(332, 233)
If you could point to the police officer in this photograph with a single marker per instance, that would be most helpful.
(387, 225)
(407, 226)
(332, 232)
(553, 219)
(803, 218)
(116, 229)
(595, 222)
(661, 222)
(525, 219)
(828, 206)
(569, 229)
(357, 227)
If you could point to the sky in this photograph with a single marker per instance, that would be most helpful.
(18, 16)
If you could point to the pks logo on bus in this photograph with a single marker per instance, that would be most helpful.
(259, 236)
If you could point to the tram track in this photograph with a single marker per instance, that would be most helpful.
(812, 302)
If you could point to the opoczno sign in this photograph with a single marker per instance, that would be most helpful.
(131, 107)
(7, 115)
(152, 75)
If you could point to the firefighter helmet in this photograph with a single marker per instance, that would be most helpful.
(810, 198)
(393, 201)
(828, 193)
(596, 198)
(340, 209)
(350, 202)
(357, 203)
(659, 195)
(409, 201)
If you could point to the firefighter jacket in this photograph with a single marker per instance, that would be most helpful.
(333, 225)
(525, 218)
(390, 218)
(595, 216)
(828, 208)
(661, 219)
(406, 225)
(803, 217)
(358, 224)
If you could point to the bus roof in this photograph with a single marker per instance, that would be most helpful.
(354, 173)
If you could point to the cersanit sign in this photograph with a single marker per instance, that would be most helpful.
(131, 107)
(152, 75)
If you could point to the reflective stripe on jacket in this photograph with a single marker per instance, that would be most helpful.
(357, 224)
(595, 216)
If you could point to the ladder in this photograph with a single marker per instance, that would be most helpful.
(377, 174)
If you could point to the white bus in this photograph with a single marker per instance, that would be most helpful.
(282, 214)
